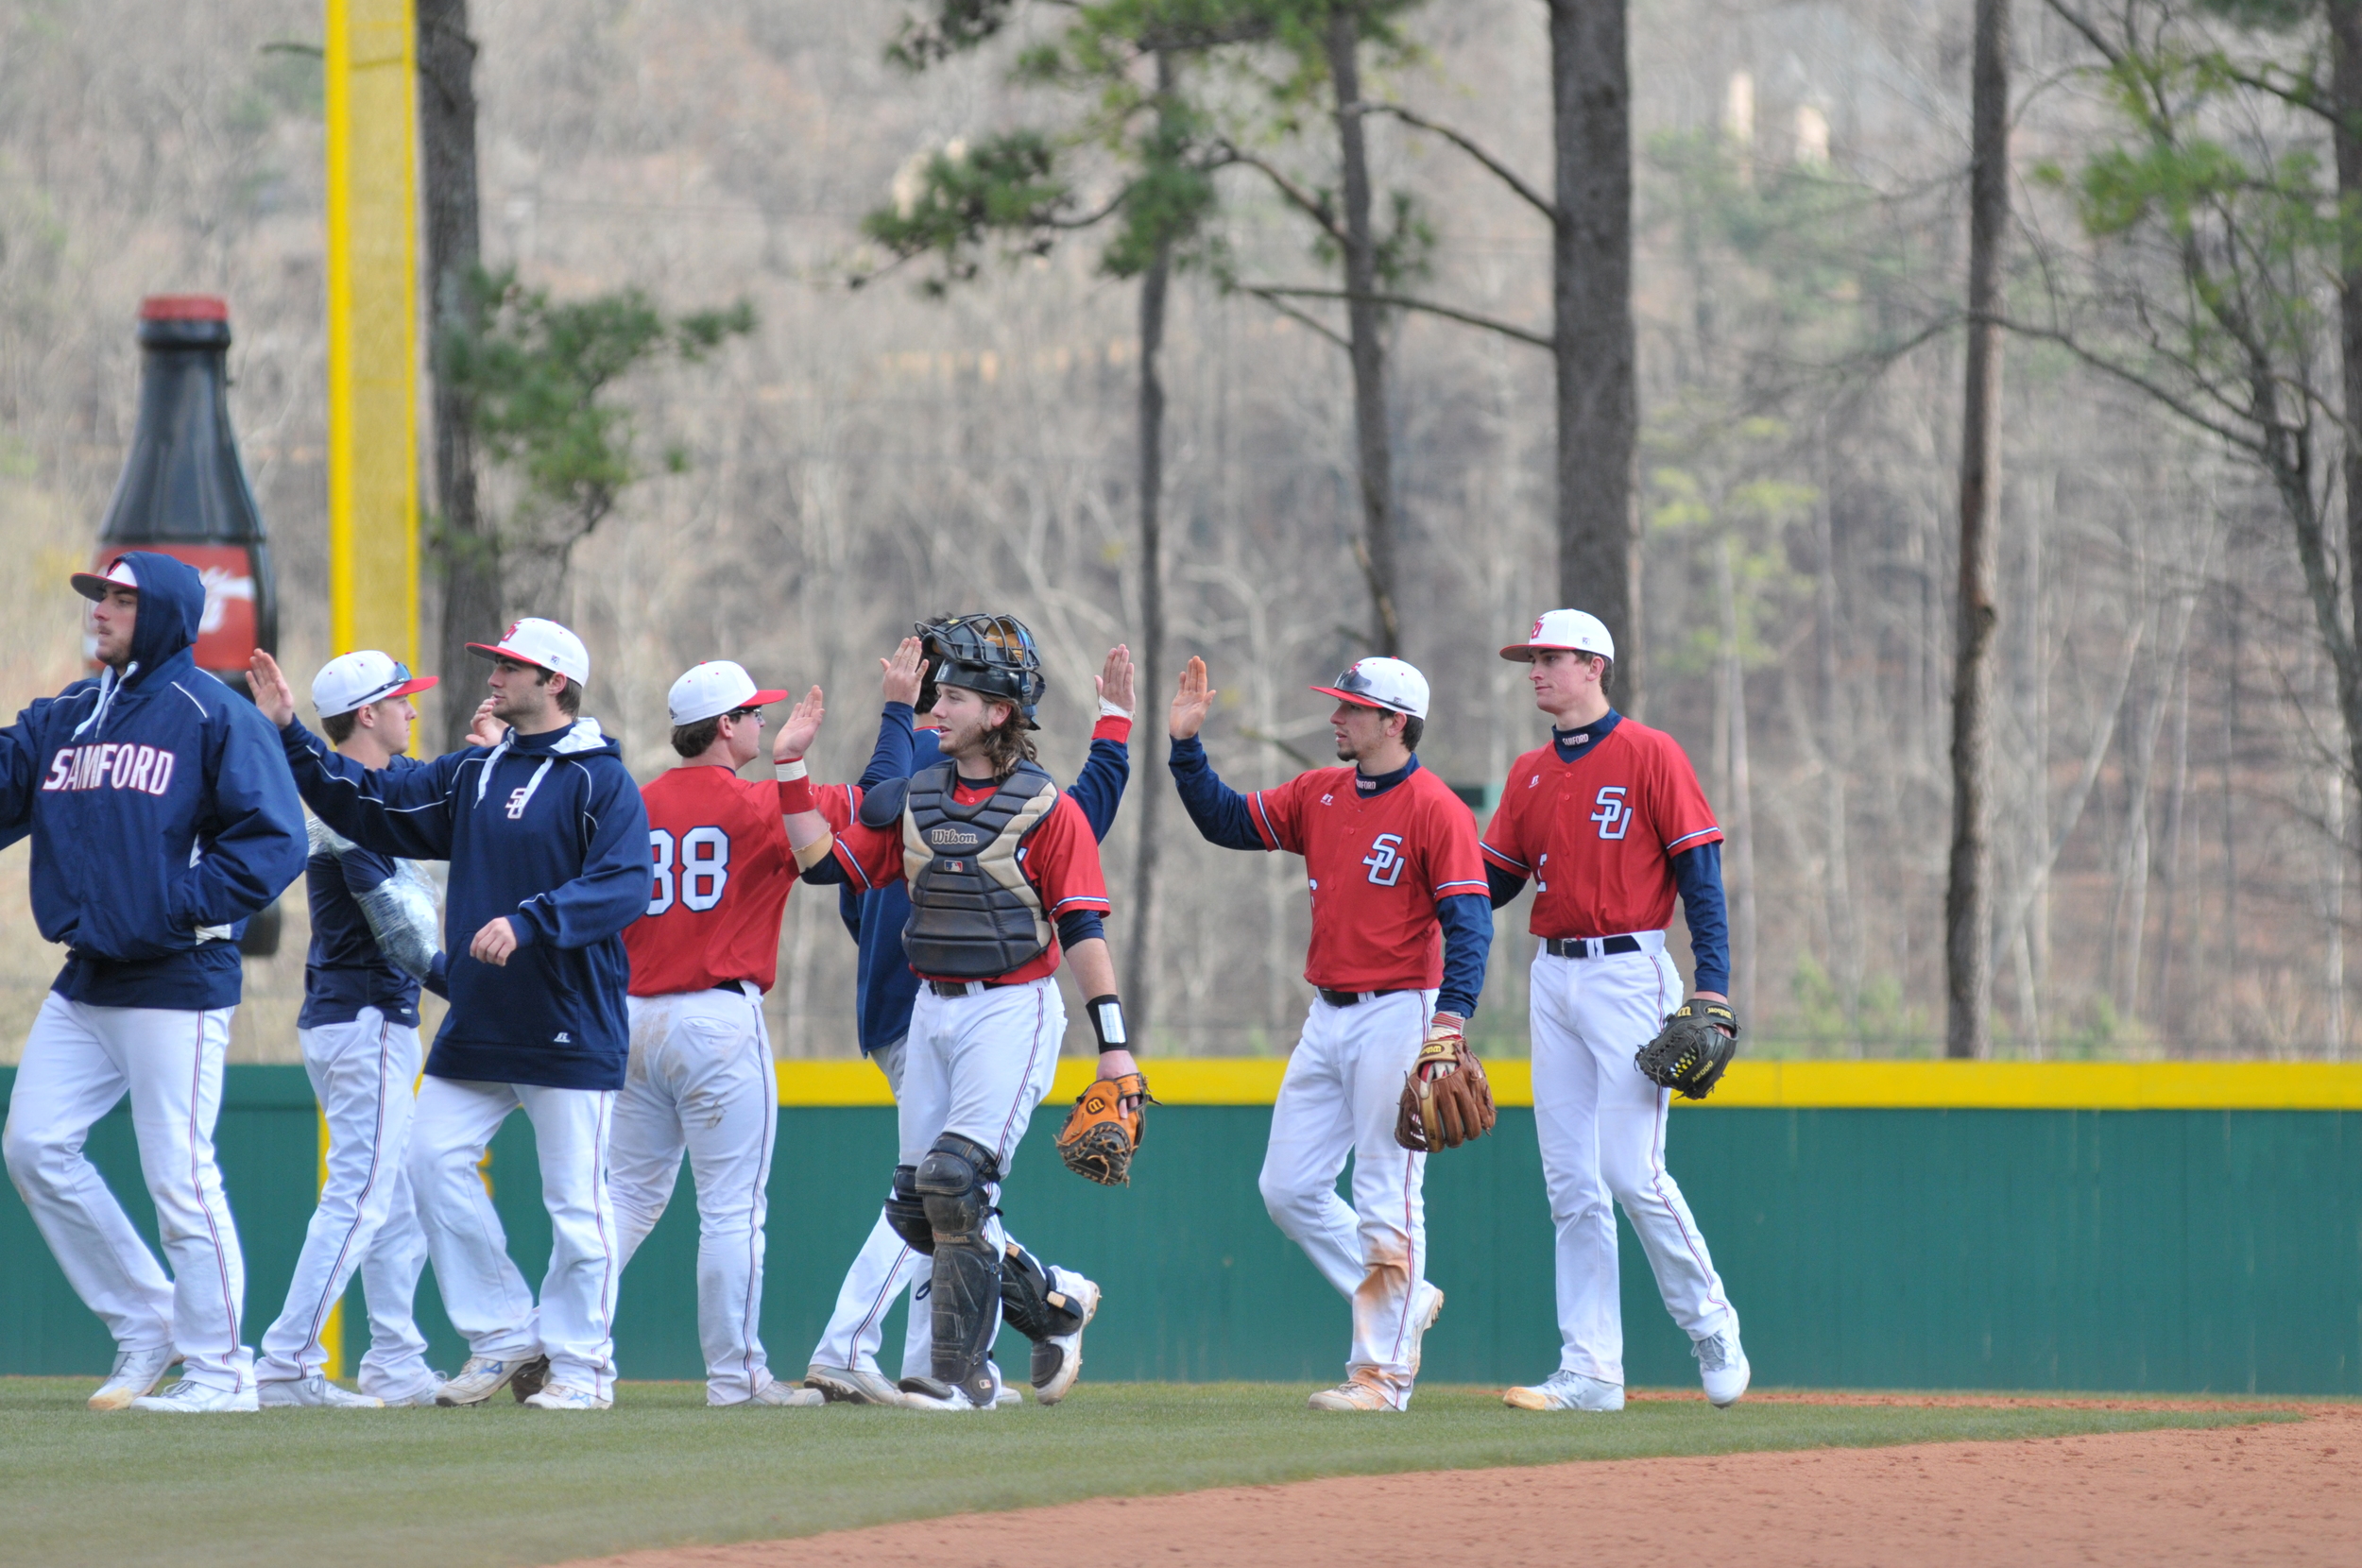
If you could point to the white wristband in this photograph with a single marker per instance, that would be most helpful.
(791, 771)
(1109, 711)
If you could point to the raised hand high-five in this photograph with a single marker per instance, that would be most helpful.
(273, 696)
(803, 724)
(1191, 700)
(1115, 679)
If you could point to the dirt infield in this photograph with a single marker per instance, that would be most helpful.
(2281, 1493)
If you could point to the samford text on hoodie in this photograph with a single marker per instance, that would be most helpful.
(546, 829)
(162, 814)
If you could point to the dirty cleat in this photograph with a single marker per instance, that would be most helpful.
(486, 1375)
(136, 1372)
(1058, 1361)
(1359, 1392)
(789, 1394)
(1568, 1391)
(852, 1385)
(564, 1396)
(1722, 1367)
(311, 1394)
(187, 1398)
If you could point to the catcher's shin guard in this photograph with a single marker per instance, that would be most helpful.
(965, 1289)
(907, 1212)
(1036, 1307)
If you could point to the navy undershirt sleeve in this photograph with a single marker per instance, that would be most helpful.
(1079, 926)
(1220, 811)
(1099, 787)
(1698, 873)
(1467, 922)
(891, 758)
(1503, 884)
(829, 872)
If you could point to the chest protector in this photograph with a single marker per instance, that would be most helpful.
(973, 915)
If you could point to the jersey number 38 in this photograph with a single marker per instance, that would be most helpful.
(697, 869)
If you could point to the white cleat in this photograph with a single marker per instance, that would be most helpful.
(776, 1393)
(1058, 1361)
(565, 1396)
(186, 1398)
(1006, 1397)
(852, 1385)
(1568, 1391)
(1359, 1392)
(925, 1393)
(486, 1375)
(312, 1393)
(1722, 1367)
(136, 1372)
(413, 1395)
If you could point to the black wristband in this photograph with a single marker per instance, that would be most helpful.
(1106, 1016)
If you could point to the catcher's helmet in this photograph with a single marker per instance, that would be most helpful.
(990, 654)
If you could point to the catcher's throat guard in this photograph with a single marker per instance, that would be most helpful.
(990, 654)
(1697, 1044)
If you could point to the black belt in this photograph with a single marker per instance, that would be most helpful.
(1578, 947)
(960, 988)
(736, 988)
(1354, 999)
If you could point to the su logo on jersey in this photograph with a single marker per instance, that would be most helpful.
(1385, 859)
(1614, 816)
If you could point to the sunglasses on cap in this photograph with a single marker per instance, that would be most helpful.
(1361, 685)
(401, 678)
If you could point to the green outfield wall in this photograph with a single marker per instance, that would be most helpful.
(2011, 1240)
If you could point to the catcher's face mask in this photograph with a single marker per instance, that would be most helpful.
(990, 654)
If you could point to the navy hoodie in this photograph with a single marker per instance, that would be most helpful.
(546, 829)
(161, 813)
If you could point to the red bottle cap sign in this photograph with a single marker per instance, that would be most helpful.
(184, 307)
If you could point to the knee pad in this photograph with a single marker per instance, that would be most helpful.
(952, 1182)
(906, 1212)
(1026, 1292)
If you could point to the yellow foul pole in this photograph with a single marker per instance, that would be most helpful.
(372, 355)
(373, 329)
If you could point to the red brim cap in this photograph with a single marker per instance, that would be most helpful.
(1359, 699)
(763, 699)
(493, 650)
(416, 683)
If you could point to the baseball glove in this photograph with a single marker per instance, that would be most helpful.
(1699, 1040)
(1446, 1100)
(1101, 1137)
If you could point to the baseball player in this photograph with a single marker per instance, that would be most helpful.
(1005, 881)
(1608, 821)
(162, 821)
(1400, 930)
(548, 845)
(702, 958)
(845, 1365)
(373, 943)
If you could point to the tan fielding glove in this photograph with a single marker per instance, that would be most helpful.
(1446, 1100)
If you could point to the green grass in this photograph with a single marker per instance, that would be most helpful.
(503, 1485)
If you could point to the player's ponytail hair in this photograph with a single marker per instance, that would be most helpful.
(1008, 743)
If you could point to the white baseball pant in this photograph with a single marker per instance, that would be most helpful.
(885, 1267)
(362, 1073)
(1338, 1096)
(79, 1060)
(484, 1295)
(1602, 1127)
(977, 1066)
(701, 1080)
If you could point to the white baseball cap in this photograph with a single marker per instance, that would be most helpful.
(90, 586)
(543, 644)
(1381, 683)
(350, 682)
(1564, 631)
(713, 689)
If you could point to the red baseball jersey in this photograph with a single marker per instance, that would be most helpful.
(1598, 835)
(1376, 867)
(1060, 857)
(722, 870)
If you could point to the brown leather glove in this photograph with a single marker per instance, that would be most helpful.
(1446, 1100)
(1101, 1137)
